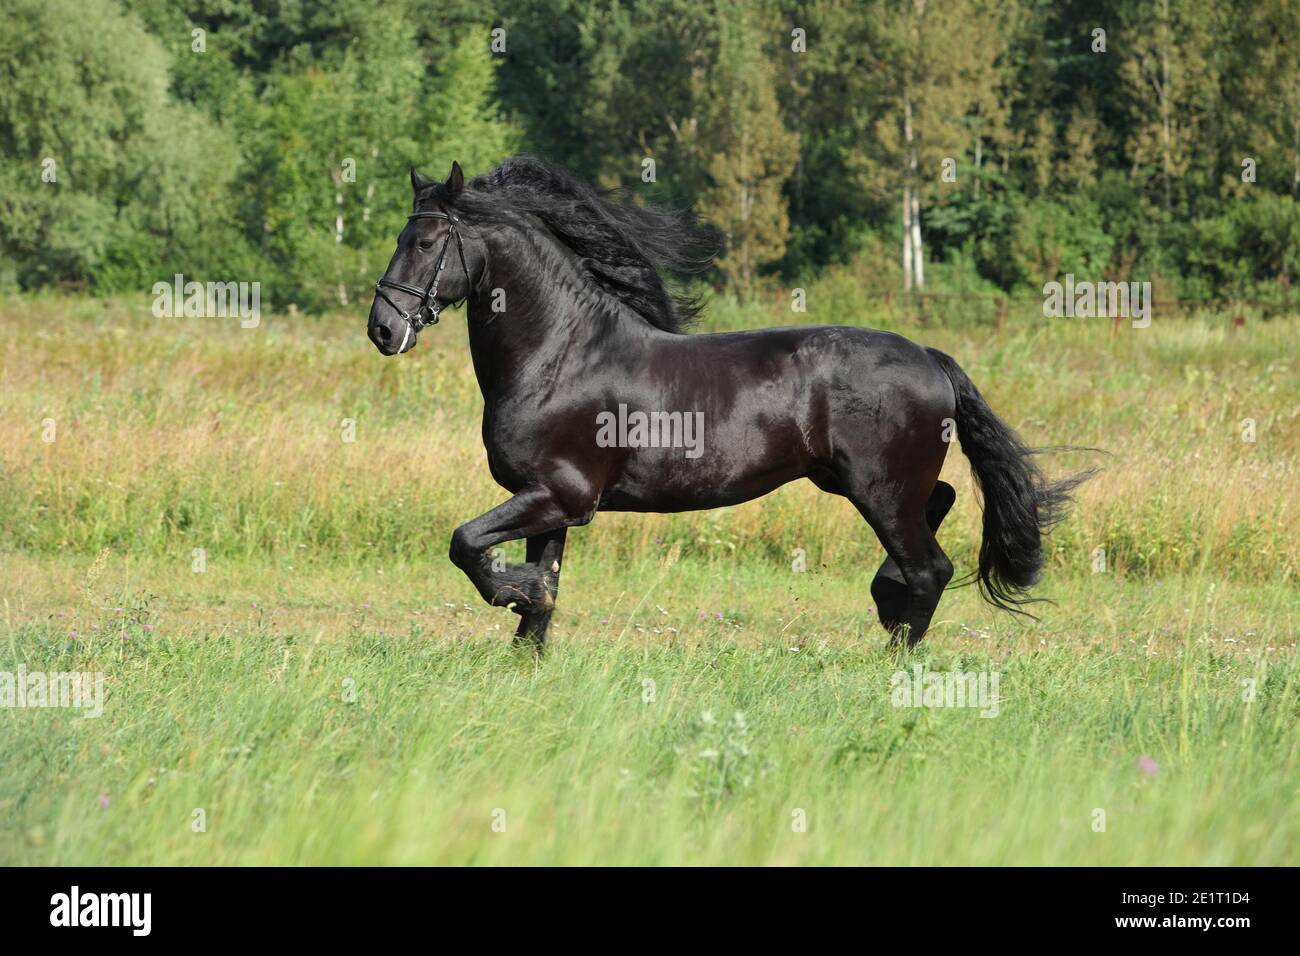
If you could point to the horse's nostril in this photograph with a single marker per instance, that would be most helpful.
(383, 334)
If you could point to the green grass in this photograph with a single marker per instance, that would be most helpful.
(1163, 691)
(243, 712)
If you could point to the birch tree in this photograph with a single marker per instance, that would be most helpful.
(934, 66)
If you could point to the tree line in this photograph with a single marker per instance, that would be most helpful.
(964, 144)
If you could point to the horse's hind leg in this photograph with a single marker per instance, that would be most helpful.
(925, 567)
(889, 587)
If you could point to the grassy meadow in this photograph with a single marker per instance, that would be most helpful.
(245, 531)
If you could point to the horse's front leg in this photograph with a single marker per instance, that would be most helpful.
(545, 551)
(527, 588)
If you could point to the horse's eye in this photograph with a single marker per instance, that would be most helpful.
(425, 245)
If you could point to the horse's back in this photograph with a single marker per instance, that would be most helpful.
(841, 357)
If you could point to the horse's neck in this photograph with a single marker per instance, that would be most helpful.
(550, 322)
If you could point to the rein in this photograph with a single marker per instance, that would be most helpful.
(428, 295)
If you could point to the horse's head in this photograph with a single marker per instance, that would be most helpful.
(432, 267)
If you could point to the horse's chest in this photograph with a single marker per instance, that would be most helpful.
(507, 465)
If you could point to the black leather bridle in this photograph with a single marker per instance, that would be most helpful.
(428, 295)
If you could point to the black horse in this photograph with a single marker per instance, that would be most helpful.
(595, 399)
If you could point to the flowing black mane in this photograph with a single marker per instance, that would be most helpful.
(625, 249)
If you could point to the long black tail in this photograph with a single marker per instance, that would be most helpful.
(1020, 504)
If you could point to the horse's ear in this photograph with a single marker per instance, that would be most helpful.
(419, 182)
(455, 179)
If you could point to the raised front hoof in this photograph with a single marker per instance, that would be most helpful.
(525, 593)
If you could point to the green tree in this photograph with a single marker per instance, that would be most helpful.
(105, 179)
(1167, 70)
(332, 144)
(462, 118)
(750, 153)
(932, 67)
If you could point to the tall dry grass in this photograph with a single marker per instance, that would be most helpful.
(175, 434)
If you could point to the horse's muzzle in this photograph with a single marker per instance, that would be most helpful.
(391, 333)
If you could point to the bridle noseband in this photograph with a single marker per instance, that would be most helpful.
(428, 295)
